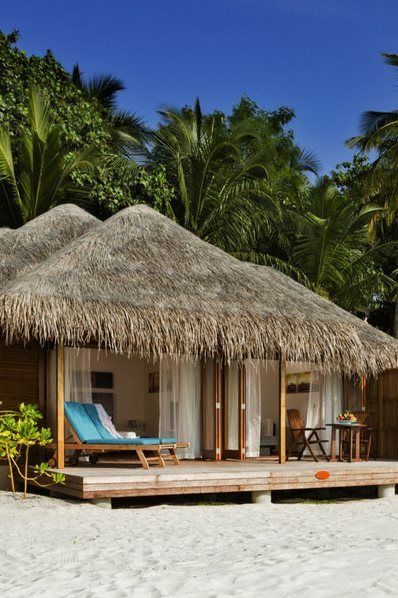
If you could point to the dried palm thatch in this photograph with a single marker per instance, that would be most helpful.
(140, 283)
(22, 249)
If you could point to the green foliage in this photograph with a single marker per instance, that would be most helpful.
(85, 120)
(36, 169)
(332, 247)
(19, 432)
(238, 180)
(229, 173)
(377, 179)
(80, 120)
(127, 131)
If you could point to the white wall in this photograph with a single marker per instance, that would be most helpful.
(299, 400)
(269, 395)
(132, 401)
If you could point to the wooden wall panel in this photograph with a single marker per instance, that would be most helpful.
(387, 415)
(19, 375)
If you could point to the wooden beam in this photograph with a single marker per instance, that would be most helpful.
(60, 441)
(218, 373)
(363, 393)
(242, 411)
(380, 417)
(282, 410)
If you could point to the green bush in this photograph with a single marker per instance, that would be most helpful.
(19, 432)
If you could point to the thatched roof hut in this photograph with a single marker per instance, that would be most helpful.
(22, 249)
(141, 283)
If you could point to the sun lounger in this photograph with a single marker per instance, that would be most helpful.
(89, 436)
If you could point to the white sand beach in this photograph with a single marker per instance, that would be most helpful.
(63, 549)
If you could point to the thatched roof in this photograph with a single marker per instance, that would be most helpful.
(22, 249)
(141, 283)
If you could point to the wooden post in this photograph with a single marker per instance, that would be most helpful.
(218, 373)
(363, 393)
(60, 408)
(242, 411)
(380, 418)
(282, 410)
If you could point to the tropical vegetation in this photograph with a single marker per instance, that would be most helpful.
(19, 434)
(237, 180)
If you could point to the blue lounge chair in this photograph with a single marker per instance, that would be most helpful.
(89, 436)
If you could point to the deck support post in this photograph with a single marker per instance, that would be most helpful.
(282, 410)
(60, 441)
(386, 491)
(261, 497)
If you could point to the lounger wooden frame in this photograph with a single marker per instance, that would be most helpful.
(158, 453)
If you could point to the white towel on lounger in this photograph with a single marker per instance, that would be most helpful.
(106, 421)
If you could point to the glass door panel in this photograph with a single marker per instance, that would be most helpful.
(211, 410)
(234, 411)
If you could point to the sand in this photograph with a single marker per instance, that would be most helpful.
(50, 547)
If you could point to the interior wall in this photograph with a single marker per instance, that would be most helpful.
(132, 399)
(299, 400)
(269, 397)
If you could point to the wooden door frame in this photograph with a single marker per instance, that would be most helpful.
(214, 453)
(60, 440)
(282, 410)
(240, 452)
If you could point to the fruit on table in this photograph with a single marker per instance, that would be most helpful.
(347, 416)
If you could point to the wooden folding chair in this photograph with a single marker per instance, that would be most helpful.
(303, 438)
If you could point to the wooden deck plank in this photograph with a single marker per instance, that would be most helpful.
(198, 477)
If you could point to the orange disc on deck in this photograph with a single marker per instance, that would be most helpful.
(322, 475)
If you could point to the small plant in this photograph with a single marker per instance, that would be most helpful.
(19, 432)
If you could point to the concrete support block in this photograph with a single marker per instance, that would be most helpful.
(387, 491)
(104, 503)
(261, 497)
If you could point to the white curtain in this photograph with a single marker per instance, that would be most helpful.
(316, 405)
(77, 373)
(332, 389)
(179, 398)
(232, 406)
(253, 407)
(325, 403)
(77, 381)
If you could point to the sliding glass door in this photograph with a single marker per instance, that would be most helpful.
(234, 411)
(211, 409)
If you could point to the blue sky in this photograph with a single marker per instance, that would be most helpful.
(321, 57)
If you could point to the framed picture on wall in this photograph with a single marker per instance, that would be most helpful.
(302, 382)
(153, 382)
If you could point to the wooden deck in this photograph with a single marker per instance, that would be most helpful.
(191, 477)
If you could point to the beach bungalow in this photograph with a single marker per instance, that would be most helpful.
(178, 342)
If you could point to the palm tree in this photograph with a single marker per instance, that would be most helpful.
(333, 249)
(220, 190)
(37, 167)
(379, 133)
(127, 130)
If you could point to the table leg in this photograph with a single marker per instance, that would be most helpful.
(351, 444)
(358, 445)
(333, 445)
